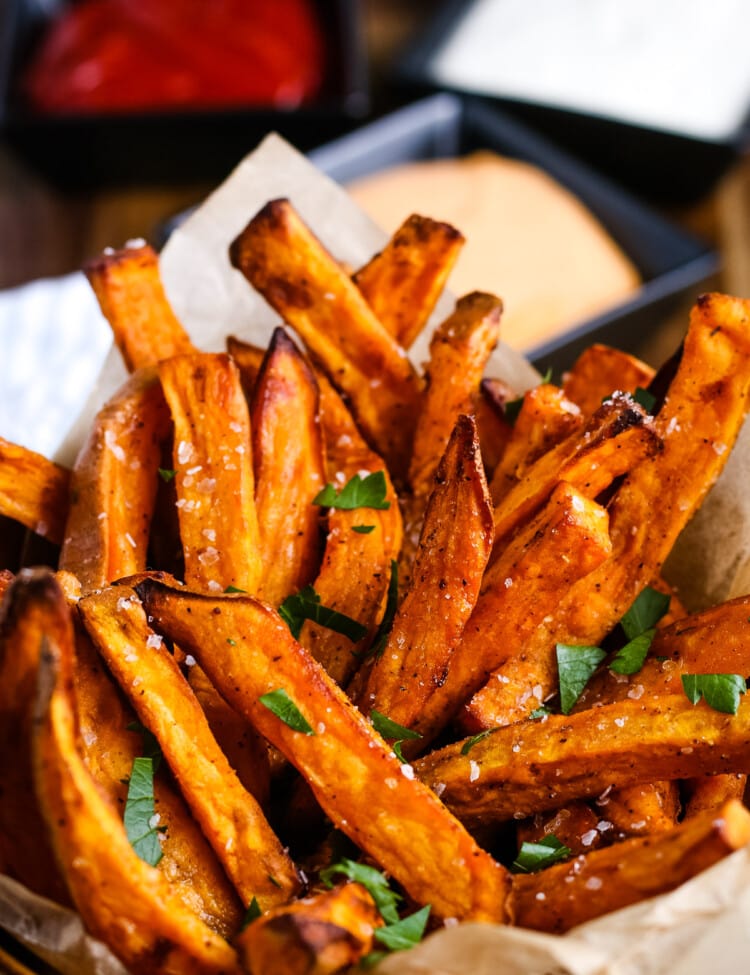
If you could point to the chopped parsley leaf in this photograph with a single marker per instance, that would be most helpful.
(306, 605)
(359, 492)
(279, 703)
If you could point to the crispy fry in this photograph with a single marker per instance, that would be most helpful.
(121, 898)
(31, 609)
(33, 490)
(459, 351)
(320, 935)
(249, 359)
(214, 475)
(288, 461)
(639, 810)
(546, 418)
(531, 766)
(453, 552)
(403, 282)
(592, 885)
(113, 485)
(521, 589)
(230, 817)
(280, 257)
(710, 793)
(354, 574)
(617, 437)
(350, 769)
(128, 287)
(601, 370)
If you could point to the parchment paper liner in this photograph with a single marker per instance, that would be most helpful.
(684, 933)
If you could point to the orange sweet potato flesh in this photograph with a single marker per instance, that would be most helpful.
(453, 552)
(567, 894)
(128, 287)
(31, 609)
(566, 540)
(286, 263)
(123, 901)
(113, 485)
(288, 461)
(33, 490)
(356, 778)
(639, 810)
(707, 795)
(601, 370)
(355, 570)
(494, 429)
(404, 281)
(616, 437)
(536, 765)
(229, 816)
(546, 418)
(320, 935)
(459, 351)
(214, 474)
(575, 825)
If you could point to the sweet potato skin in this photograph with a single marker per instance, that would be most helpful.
(567, 894)
(601, 370)
(350, 769)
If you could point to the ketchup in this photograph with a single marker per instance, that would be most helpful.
(146, 55)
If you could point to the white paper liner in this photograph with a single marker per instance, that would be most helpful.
(682, 933)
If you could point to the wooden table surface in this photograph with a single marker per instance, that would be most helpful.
(46, 232)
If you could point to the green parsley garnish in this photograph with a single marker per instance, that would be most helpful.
(166, 475)
(390, 730)
(630, 658)
(231, 642)
(645, 613)
(470, 742)
(235, 589)
(359, 492)
(405, 933)
(363, 529)
(252, 914)
(720, 691)
(306, 605)
(373, 880)
(575, 666)
(280, 704)
(538, 713)
(645, 399)
(140, 818)
(536, 856)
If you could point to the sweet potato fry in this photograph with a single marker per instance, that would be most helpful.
(231, 819)
(32, 608)
(131, 296)
(459, 351)
(708, 794)
(110, 744)
(567, 894)
(546, 418)
(122, 899)
(348, 766)
(531, 766)
(453, 552)
(643, 809)
(355, 571)
(33, 490)
(249, 359)
(617, 437)
(214, 475)
(320, 935)
(404, 281)
(113, 485)
(288, 462)
(280, 257)
(601, 370)
(522, 588)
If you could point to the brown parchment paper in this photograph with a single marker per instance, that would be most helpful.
(705, 924)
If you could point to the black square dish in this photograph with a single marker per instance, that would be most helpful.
(672, 263)
(82, 151)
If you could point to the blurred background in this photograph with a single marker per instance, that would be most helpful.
(115, 115)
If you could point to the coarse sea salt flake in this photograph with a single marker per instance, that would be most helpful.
(154, 641)
(474, 771)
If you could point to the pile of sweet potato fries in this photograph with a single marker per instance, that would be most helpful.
(336, 652)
